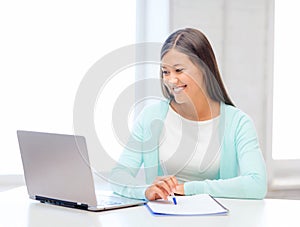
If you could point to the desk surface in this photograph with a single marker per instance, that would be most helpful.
(18, 210)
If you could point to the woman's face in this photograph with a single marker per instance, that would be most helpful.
(182, 78)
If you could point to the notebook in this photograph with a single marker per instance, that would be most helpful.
(57, 171)
(202, 204)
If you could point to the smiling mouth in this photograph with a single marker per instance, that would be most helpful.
(178, 89)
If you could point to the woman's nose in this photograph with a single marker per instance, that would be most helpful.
(172, 78)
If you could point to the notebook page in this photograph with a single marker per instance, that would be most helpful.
(202, 204)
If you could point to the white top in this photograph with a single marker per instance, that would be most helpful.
(189, 149)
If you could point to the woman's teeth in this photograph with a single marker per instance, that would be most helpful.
(179, 89)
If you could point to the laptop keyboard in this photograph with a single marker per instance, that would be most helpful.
(103, 202)
(107, 201)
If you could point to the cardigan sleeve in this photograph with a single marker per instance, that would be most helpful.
(123, 178)
(138, 164)
(250, 181)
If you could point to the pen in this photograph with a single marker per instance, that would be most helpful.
(166, 173)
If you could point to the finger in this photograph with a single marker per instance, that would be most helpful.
(172, 182)
(160, 178)
(160, 194)
(157, 193)
(164, 186)
(164, 178)
(174, 179)
(167, 183)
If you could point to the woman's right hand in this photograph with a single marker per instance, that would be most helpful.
(161, 188)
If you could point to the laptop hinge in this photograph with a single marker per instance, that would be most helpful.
(61, 202)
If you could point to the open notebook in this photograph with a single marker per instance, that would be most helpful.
(202, 204)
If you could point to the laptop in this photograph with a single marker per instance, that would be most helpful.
(57, 171)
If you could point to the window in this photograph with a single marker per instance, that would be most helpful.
(46, 49)
(286, 110)
(285, 160)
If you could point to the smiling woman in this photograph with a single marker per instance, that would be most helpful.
(46, 49)
(218, 150)
(196, 81)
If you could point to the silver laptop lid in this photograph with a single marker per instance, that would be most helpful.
(57, 166)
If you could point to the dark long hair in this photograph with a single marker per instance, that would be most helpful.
(196, 46)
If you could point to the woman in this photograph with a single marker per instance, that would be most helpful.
(206, 143)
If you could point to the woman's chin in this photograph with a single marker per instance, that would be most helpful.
(179, 100)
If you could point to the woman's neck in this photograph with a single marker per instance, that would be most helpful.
(199, 111)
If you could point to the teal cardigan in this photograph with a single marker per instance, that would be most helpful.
(242, 172)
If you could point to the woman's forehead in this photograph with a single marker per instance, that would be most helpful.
(175, 58)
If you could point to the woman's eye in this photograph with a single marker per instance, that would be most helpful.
(179, 70)
(165, 72)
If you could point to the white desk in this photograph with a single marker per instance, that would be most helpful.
(18, 210)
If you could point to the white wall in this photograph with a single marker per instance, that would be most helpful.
(46, 48)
